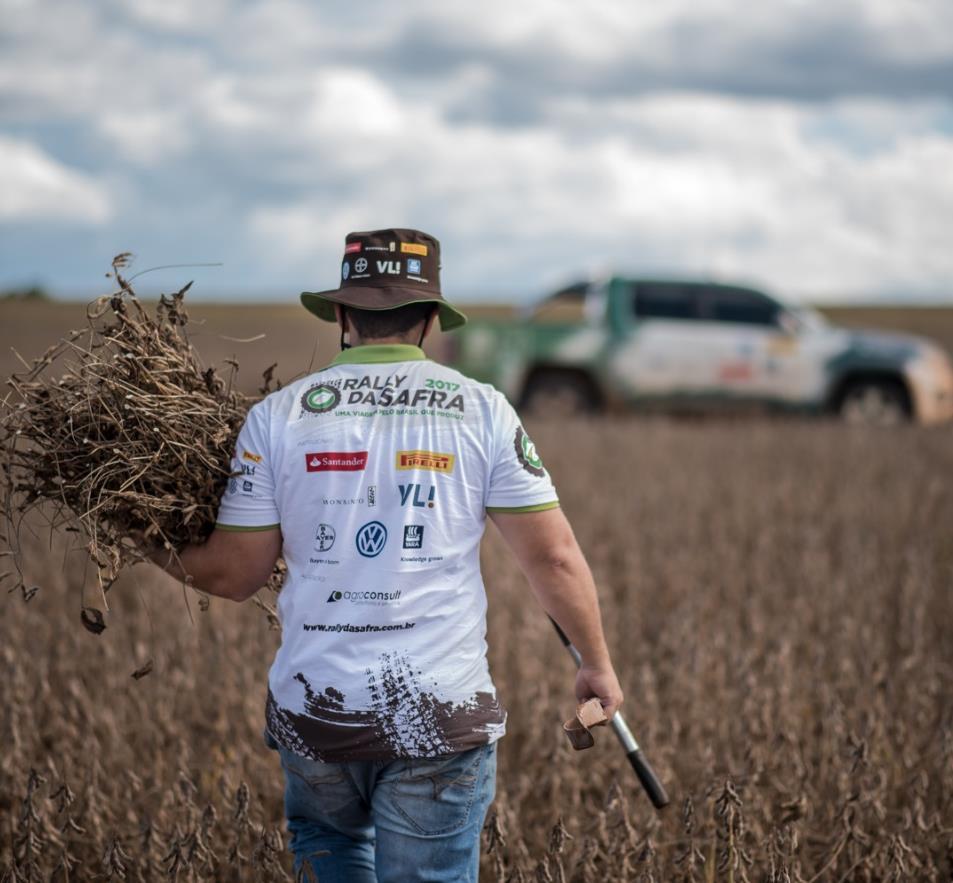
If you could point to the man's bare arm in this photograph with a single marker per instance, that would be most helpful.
(230, 564)
(559, 576)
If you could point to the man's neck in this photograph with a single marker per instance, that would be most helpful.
(381, 341)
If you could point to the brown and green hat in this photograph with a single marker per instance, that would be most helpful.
(385, 269)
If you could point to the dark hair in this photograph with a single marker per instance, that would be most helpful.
(371, 324)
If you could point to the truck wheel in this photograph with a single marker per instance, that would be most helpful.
(559, 395)
(875, 403)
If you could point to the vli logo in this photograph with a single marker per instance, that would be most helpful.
(412, 493)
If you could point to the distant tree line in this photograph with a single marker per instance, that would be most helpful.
(32, 292)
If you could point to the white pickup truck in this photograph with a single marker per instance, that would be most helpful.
(626, 342)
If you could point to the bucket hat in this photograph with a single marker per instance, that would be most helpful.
(383, 270)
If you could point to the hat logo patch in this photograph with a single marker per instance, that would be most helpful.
(345, 270)
(413, 266)
(360, 265)
(392, 267)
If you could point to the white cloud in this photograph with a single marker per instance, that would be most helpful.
(34, 186)
(535, 140)
(146, 137)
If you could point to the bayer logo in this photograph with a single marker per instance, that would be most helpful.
(371, 539)
(360, 265)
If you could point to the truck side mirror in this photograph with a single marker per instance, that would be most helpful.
(788, 323)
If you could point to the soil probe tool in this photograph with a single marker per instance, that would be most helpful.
(650, 782)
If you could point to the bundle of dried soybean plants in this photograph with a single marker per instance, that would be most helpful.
(132, 439)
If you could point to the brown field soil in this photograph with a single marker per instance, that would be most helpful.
(777, 598)
(301, 343)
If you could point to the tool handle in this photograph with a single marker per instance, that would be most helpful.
(650, 782)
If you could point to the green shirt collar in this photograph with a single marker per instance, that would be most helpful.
(379, 352)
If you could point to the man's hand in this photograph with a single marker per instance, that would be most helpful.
(602, 684)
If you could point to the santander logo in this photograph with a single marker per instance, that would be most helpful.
(336, 461)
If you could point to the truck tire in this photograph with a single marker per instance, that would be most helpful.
(875, 402)
(559, 394)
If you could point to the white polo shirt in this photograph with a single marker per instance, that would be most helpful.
(379, 470)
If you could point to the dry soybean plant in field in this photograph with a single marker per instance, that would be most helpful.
(119, 431)
(777, 598)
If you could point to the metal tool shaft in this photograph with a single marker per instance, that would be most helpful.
(649, 781)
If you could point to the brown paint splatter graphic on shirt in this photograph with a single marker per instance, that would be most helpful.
(404, 720)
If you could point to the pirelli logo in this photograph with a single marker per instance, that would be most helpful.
(425, 460)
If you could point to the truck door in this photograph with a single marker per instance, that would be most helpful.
(661, 355)
(751, 355)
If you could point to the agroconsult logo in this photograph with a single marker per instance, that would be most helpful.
(363, 597)
(371, 539)
(320, 399)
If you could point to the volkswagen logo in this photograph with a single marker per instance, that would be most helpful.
(371, 539)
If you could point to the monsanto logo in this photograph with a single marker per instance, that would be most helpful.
(371, 539)
(320, 399)
(336, 461)
(425, 460)
(526, 453)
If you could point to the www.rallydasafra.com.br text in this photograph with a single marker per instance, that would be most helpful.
(348, 627)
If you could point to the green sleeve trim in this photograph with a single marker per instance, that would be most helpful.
(235, 528)
(539, 507)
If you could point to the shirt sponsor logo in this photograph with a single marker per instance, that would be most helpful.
(339, 627)
(413, 266)
(232, 486)
(372, 496)
(247, 487)
(254, 458)
(324, 538)
(526, 453)
(412, 493)
(413, 248)
(360, 265)
(371, 539)
(352, 248)
(246, 469)
(378, 598)
(336, 461)
(413, 536)
(384, 391)
(429, 460)
(320, 399)
(342, 501)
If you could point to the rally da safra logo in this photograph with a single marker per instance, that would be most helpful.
(526, 453)
(320, 399)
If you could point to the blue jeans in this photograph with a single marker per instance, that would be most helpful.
(389, 821)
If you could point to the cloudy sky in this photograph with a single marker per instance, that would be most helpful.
(803, 145)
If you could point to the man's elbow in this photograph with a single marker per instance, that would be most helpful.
(556, 560)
